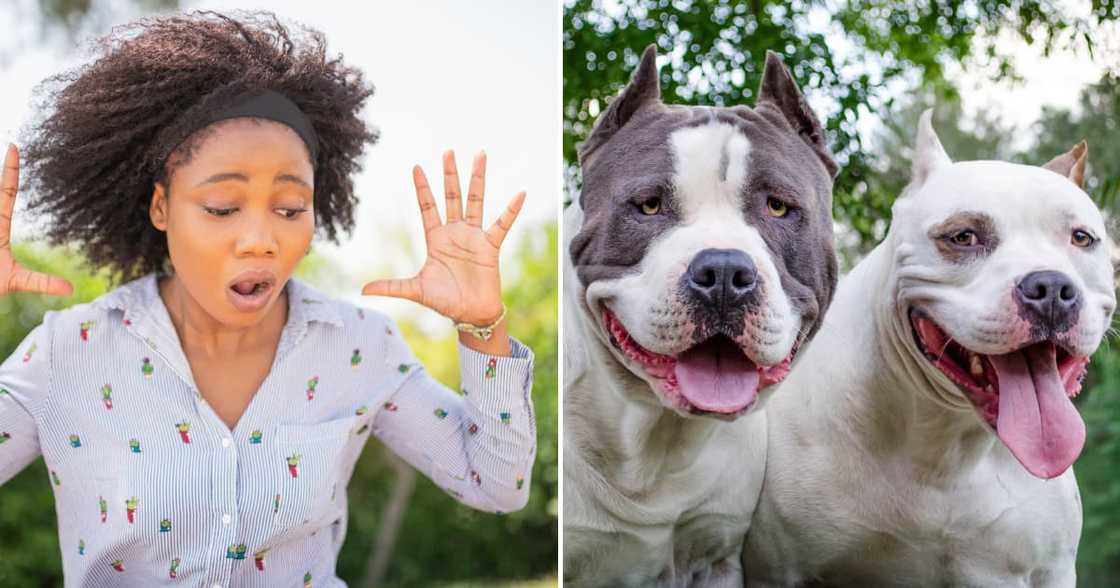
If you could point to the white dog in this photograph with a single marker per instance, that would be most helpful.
(701, 257)
(926, 436)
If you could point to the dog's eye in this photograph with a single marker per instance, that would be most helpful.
(965, 238)
(651, 207)
(1082, 238)
(776, 207)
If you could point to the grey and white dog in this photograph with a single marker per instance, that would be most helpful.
(701, 258)
(925, 437)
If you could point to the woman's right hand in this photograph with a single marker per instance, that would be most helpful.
(13, 277)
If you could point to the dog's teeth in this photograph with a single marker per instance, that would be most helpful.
(974, 364)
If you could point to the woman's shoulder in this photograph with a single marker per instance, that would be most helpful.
(107, 306)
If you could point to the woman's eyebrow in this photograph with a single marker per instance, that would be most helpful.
(221, 177)
(291, 180)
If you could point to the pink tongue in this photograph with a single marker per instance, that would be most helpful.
(1037, 421)
(244, 288)
(717, 376)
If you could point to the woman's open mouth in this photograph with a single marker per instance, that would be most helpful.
(713, 377)
(251, 291)
(1024, 395)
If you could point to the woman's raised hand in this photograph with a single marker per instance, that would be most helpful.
(13, 277)
(460, 278)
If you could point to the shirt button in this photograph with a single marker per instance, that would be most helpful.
(225, 442)
(226, 519)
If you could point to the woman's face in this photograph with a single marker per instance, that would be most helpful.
(238, 217)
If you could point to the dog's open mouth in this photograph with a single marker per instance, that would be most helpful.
(1024, 395)
(713, 377)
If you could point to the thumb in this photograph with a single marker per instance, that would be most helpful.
(408, 289)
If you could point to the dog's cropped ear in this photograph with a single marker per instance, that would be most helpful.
(779, 90)
(644, 88)
(928, 152)
(1071, 164)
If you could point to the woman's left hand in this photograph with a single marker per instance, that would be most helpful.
(460, 278)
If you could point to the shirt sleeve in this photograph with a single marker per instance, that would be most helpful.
(480, 445)
(24, 377)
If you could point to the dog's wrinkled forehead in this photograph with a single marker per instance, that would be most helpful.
(995, 201)
(1017, 197)
(683, 158)
(689, 158)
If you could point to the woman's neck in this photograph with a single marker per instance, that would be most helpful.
(200, 334)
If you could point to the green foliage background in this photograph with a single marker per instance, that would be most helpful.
(882, 62)
(441, 542)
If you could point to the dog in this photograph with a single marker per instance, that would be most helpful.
(927, 434)
(700, 258)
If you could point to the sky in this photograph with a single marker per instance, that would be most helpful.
(466, 76)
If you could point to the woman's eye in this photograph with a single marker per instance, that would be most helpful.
(219, 211)
(1082, 238)
(965, 238)
(291, 213)
(651, 206)
(776, 207)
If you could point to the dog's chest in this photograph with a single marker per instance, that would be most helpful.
(689, 532)
(700, 550)
(1009, 530)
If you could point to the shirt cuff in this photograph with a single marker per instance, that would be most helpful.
(490, 380)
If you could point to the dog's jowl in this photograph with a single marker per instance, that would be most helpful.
(926, 437)
(701, 261)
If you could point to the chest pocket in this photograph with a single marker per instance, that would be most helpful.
(313, 463)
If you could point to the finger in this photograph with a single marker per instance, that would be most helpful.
(451, 187)
(9, 185)
(428, 212)
(25, 280)
(474, 193)
(497, 232)
(409, 289)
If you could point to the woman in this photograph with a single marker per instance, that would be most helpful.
(211, 409)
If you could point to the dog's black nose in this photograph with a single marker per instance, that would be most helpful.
(1049, 299)
(722, 277)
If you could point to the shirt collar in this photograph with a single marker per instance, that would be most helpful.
(146, 316)
(139, 298)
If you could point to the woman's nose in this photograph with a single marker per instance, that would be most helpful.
(256, 236)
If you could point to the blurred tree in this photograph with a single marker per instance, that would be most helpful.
(849, 58)
(1098, 555)
(981, 136)
(1096, 121)
(71, 15)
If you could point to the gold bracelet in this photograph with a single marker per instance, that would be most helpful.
(483, 333)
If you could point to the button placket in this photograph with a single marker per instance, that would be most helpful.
(225, 508)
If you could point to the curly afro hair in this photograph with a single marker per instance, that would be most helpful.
(110, 130)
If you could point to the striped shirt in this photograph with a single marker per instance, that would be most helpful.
(152, 488)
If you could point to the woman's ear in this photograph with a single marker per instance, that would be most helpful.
(158, 209)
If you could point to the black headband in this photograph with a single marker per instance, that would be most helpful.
(270, 105)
